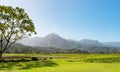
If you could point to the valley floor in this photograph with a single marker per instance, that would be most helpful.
(71, 63)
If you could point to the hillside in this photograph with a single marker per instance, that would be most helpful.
(55, 41)
(19, 48)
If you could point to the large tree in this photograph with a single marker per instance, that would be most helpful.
(14, 25)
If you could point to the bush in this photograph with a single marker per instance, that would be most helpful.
(50, 57)
(34, 58)
(1, 60)
(44, 58)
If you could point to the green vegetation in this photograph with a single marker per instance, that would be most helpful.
(14, 25)
(26, 65)
(19, 48)
(104, 60)
(61, 63)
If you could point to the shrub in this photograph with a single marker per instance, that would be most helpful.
(50, 57)
(34, 58)
(45, 59)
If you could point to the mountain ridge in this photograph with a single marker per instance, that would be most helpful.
(55, 41)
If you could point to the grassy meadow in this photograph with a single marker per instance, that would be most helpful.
(62, 63)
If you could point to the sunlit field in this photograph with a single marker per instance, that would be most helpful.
(59, 36)
(63, 63)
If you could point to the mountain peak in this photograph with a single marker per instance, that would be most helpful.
(52, 35)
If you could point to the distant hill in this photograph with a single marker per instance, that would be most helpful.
(55, 41)
(90, 43)
(112, 44)
(19, 48)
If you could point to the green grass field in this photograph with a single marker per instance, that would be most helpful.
(65, 63)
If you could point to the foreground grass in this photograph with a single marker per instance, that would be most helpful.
(67, 63)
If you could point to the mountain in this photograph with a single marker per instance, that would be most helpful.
(19, 48)
(97, 47)
(112, 44)
(55, 41)
(51, 40)
(91, 43)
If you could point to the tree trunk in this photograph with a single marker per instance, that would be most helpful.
(0, 55)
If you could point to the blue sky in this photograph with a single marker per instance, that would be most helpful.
(74, 19)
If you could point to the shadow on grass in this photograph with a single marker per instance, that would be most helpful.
(104, 60)
(26, 64)
(39, 64)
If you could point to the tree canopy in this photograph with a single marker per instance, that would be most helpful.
(14, 25)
